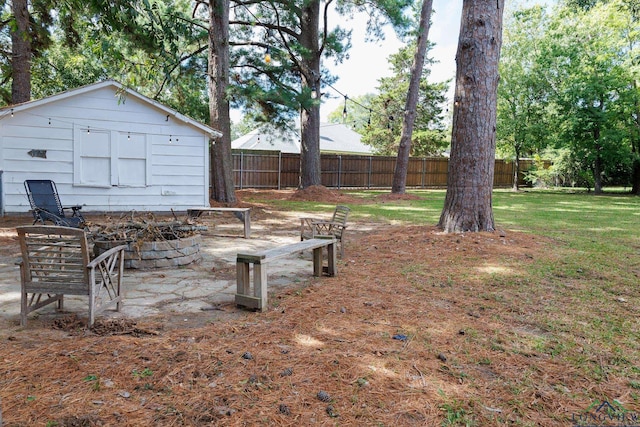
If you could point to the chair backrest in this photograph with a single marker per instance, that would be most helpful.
(43, 194)
(54, 259)
(340, 214)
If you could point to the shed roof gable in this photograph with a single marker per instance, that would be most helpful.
(118, 88)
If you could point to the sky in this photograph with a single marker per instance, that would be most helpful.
(368, 63)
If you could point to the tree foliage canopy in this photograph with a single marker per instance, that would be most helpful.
(569, 81)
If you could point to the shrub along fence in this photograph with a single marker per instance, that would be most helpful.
(273, 169)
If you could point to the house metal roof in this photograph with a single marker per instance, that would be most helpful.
(334, 138)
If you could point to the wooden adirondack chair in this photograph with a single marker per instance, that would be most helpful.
(314, 227)
(56, 262)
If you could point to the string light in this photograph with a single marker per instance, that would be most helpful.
(346, 98)
(267, 56)
(315, 85)
(344, 110)
(76, 125)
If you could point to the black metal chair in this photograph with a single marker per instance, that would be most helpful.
(46, 206)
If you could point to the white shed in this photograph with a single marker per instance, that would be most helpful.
(107, 148)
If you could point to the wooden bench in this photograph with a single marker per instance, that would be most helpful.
(243, 214)
(258, 298)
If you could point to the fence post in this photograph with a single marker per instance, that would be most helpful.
(241, 169)
(370, 172)
(339, 170)
(279, 169)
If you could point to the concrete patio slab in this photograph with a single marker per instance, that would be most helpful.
(183, 291)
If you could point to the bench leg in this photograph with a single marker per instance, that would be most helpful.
(332, 259)
(247, 225)
(244, 296)
(317, 262)
(243, 285)
(260, 284)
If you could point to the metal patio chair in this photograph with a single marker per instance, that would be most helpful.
(45, 204)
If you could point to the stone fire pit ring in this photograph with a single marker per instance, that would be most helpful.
(156, 254)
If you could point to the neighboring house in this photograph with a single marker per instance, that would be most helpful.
(335, 138)
(107, 148)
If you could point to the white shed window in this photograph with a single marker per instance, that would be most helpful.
(132, 160)
(110, 159)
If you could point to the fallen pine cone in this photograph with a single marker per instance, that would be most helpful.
(284, 409)
(323, 396)
(286, 373)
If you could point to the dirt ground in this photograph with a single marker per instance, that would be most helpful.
(414, 331)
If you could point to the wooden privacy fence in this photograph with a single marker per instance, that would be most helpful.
(273, 169)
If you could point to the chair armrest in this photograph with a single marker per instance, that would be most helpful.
(306, 220)
(75, 209)
(331, 223)
(306, 227)
(327, 227)
(111, 253)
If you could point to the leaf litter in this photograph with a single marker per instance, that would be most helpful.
(476, 350)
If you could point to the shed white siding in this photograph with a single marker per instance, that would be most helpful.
(105, 151)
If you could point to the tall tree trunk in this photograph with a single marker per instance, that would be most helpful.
(635, 144)
(597, 164)
(404, 150)
(221, 161)
(598, 167)
(516, 171)
(635, 173)
(310, 171)
(468, 203)
(20, 54)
